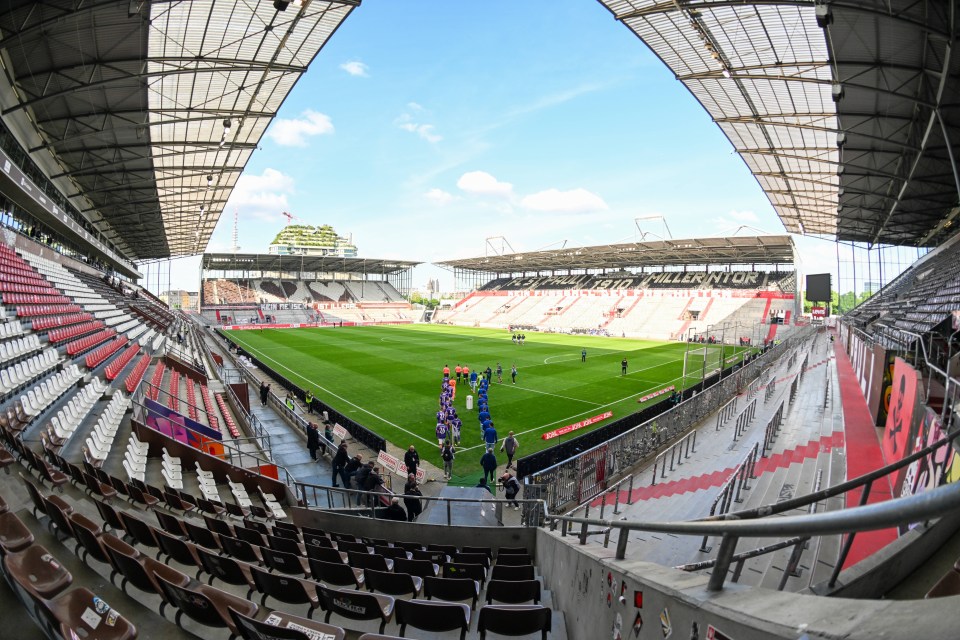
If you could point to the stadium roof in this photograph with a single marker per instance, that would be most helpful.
(309, 264)
(145, 113)
(733, 250)
(848, 129)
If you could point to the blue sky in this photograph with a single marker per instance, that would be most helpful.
(426, 126)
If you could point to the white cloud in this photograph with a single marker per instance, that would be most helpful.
(744, 216)
(556, 201)
(355, 68)
(261, 196)
(293, 132)
(425, 131)
(482, 183)
(439, 197)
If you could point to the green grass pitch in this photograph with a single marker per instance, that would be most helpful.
(388, 379)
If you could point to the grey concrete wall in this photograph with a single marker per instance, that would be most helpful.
(587, 583)
(415, 531)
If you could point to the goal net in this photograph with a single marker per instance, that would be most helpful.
(702, 361)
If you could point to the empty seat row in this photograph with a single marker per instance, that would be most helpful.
(72, 331)
(20, 373)
(120, 362)
(42, 395)
(88, 342)
(31, 310)
(48, 322)
(65, 423)
(48, 296)
(17, 347)
(10, 329)
(209, 408)
(228, 418)
(98, 355)
(136, 375)
(100, 441)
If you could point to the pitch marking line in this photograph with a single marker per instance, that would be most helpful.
(341, 398)
(547, 393)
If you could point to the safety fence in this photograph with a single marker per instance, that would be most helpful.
(727, 411)
(772, 430)
(729, 493)
(744, 419)
(675, 450)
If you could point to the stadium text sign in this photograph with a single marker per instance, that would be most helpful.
(655, 394)
(549, 435)
(396, 465)
(818, 312)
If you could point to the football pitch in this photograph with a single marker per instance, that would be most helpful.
(388, 379)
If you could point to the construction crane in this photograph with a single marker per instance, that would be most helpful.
(290, 217)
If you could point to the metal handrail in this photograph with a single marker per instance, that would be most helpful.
(884, 515)
(829, 492)
(672, 449)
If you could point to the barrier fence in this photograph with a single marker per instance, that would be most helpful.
(730, 491)
(677, 448)
(727, 411)
(772, 429)
(744, 419)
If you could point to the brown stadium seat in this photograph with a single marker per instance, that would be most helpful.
(433, 616)
(336, 573)
(393, 584)
(283, 562)
(514, 620)
(422, 568)
(37, 571)
(205, 604)
(452, 589)
(465, 570)
(369, 561)
(14, 535)
(285, 589)
(356, 605)
(251, 629)
(509, 572)
(513, 591)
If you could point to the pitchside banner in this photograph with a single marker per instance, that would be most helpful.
(549, 435)
(396, 465)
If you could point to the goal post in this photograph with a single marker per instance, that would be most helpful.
(701, 361)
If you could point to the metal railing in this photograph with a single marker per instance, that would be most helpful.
(675, 448)
(917, 508)
(730, 490)
(744, 419)
(615, 490)
(772, 430)
(727, 411)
